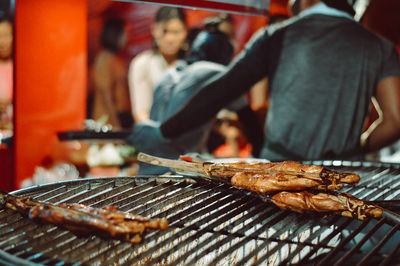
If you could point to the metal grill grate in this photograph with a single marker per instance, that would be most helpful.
(210, 223)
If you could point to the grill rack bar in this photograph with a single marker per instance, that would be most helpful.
(364, 261)
(129, 249)
(391, 256)
(126, 249)
(361, 242)
(201, 245)
(266, 222)
(193, 226)
(342, 244)
(326, 240)
(199, 231)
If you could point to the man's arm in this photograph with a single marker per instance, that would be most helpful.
(247, 69)
(388, 131)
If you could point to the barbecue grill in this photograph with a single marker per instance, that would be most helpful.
(211, 223)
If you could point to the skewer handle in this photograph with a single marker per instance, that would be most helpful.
(175, 164)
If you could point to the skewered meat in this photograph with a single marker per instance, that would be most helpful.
(108, 221)
(290, 176)
(343, 204)
(267, 183)
(268, 178)
(262, 177)
(230, 169)
(313, 172)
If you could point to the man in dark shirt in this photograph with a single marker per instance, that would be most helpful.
(323, 68)
(210, 52)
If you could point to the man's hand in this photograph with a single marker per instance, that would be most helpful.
(146, 136)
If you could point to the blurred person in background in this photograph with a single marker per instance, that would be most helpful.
(232, 130)
(109, 78)
(6, 73)
(323, 68)
(223, 23)
(169, 33)
(210, 53)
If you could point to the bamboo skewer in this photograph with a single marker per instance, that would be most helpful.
(207, 168)
(175, 164)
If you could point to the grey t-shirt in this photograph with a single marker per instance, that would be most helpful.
(321, 89)
(322, 71)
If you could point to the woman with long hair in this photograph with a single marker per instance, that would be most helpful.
(109, 77)
(169, 33)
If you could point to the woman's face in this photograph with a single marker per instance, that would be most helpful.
(6, 39)
(169, 36)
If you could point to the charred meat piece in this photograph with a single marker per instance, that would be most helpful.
(229, 169)
(268, 183)
(287, 170)
(275, 176)
(108, 221)
(339, 203)
(291, 176)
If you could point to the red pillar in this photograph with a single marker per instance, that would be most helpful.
(50, 77)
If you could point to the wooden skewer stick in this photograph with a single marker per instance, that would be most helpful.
(206, 168)
(217, 167)
(181, 165)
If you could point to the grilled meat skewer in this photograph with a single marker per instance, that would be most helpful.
(286, 167)
(263, 177)
(288, 180)
(287, 175)
(79, 218)
(340, 203)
